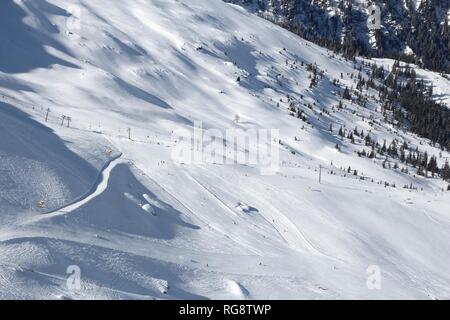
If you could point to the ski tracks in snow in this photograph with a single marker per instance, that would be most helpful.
(294, 237)
(100, 185)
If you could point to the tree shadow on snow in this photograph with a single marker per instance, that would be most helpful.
(243, 54)
(14, 84)
(141, 94)
(21, 46)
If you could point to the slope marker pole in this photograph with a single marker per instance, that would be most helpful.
(46, 116)
(320, 174)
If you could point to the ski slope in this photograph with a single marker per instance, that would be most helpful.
(141, 225)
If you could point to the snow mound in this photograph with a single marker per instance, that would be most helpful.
(236, 290)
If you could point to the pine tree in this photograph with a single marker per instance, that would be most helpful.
(262, 5)
(384, 148)
(346, 95)
(341, 132)
(338, 147)
(445, 172)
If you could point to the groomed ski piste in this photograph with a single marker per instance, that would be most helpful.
(105, 194)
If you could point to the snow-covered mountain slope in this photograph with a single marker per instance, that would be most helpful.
(140, 224)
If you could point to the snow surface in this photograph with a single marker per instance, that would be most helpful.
(140, 225)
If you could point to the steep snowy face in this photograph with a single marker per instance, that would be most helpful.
(143, 54)
(36, 166)
(149, 64)
(96, 97)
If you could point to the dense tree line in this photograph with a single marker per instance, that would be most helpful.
(419, 34)
(400, 153)
(412, 104)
